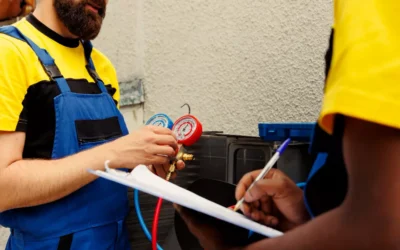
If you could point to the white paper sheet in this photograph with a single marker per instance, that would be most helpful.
(145, 181)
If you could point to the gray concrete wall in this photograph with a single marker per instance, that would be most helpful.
(236, 62)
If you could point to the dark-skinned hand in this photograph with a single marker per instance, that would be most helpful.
(208, 234)
(274, 201)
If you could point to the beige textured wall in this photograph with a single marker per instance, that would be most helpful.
(236, 62)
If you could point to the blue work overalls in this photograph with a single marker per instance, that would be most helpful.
(326, 186)
(92, 217)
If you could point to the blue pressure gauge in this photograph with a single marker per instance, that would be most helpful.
(161, 120)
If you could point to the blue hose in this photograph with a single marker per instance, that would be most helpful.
(140, 217)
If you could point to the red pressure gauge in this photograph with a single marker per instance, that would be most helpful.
(187, 129)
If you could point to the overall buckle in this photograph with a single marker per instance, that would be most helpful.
(93, 73)
(53, 71)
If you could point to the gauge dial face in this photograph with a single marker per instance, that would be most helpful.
(185, 128)
(159, 120)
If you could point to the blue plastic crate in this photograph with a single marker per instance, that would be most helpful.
(281, 131)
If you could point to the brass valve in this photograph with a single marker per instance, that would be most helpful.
(184, 156)
(180, 156)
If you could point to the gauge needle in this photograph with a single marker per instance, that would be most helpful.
(184, 129)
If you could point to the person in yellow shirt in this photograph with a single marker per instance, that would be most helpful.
(15, 8)
(351, 200)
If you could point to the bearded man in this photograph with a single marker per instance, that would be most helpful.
(59, 117)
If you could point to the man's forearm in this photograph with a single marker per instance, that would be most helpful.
(369, 217)
(321, 233)
(333, 230)
(34, 182)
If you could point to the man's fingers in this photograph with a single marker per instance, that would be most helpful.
(270, 187)
(259, 215)
(152, 169)
(189, 220)
(161, 130)
(161, 150)
(248, 179)
(266, 204)
(244, 183)
(177, 207)
(268, 220)
(167, 140)
(256, 215)
(161, 170)
(173, 176)
(246, 209)
(158, 160)
(256, 204)
(185, 217)
(180, 165)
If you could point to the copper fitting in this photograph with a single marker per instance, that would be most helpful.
(180, 156)
(184, 156)
(187, 157)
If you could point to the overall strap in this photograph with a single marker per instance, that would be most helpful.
(88, 47)
(46, 60)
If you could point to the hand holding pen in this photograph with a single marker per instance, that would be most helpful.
(265, 170)
(274, 200)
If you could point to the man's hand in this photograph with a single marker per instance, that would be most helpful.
(13, 8)
(28, 7)
(162, 170)
(9, 9)
(274, 201)
(150, 145)
(209, 237)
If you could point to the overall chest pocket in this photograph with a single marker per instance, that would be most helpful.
(91, 133)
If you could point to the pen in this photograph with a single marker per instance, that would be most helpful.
(267, 167)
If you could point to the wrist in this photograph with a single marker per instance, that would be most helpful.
(107, 152)
(302, 218)
(305, 214)
(113, 156)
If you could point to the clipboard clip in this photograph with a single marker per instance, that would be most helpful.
(114, 171)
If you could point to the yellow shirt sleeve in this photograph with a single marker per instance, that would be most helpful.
(364, 79)
(13, 84)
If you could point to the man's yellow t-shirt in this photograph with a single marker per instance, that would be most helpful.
(26, 92)
(364, 77)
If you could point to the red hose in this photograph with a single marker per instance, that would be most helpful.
(155, 224)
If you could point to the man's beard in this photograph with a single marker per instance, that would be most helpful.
(79, 20)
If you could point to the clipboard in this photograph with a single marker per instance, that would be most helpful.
(142, 179)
